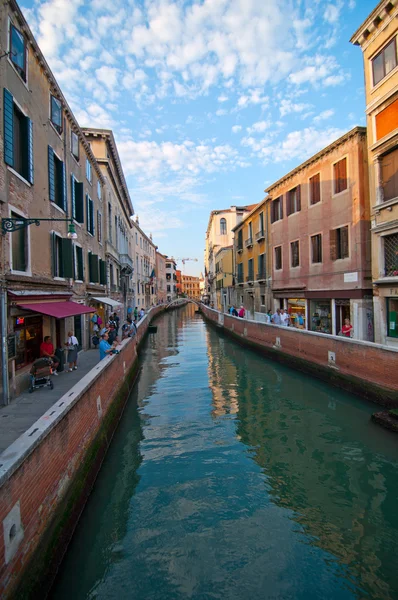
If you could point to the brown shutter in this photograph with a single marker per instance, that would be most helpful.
(273, 211)
(288, 204)
(333, 244)
(344, 242)
(281, 206)
(298, 192)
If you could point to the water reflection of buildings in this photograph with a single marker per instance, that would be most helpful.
(321, 457)
(222, 380)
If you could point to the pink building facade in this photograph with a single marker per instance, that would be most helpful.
(320, 240)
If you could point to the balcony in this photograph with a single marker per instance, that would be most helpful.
(239, 247)
(260, 235)
(249, 242)
(250, 278)
(126, 264)
(262, 276)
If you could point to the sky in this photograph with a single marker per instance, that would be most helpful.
(210, 101)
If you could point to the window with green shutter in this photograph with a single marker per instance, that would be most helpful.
(18, 138)
(77, 199)
(102, 268)
(93, 268)
(56, 180)
(79, 264)
(90, 214)
(62, 256)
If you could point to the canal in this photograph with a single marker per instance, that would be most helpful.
(232, 477)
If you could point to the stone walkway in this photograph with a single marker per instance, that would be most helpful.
(24, 410)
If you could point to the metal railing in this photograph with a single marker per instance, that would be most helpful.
(250, 277)
(262, 275)
(240, 278)
(249, 242)
(260, 235)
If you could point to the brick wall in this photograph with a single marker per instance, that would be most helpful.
(47, 474)
(362, 367)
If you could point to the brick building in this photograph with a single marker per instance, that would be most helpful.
(190, 286)
(145, 267)
(378, 39)
(320, 239)
(47, 171)
(160, 277)
(171, 279)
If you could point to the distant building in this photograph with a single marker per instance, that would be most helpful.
(171, 279)
(224, 269)
(320, 239)
(160, 277)
(253, 261)
(145, 263)
(219, 235)
(179, 286)
(378, 38)
(191, 286)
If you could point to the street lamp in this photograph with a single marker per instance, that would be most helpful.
(8, 225)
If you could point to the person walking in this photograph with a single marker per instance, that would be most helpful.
(276, 317)
(72, 346)
(284, 317)
(242, 312)
(142, 313)
(136, 313)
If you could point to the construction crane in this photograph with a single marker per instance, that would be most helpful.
(184, 260)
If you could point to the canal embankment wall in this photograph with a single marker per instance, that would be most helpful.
(47, 474)
(367, 369)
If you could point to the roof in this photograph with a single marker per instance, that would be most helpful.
(320, 154)
(227, 210)
(250, 214)
(369, 22)
(108, 135)
(224, 248)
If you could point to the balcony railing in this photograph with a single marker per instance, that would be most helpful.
(126, 263)
(239, 246)
(260, 235)
(250, 277)
(249, 242)
(240, 278)
(261, 276)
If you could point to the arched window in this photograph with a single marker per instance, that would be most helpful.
(223, 227)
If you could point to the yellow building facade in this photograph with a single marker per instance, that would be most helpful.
(224, 262)
(378, 39)
(252, 261)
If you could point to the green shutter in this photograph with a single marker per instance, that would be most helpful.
(62, 187)
(29, 128)
(51, 174)
(94, 268)
(88, 213)
(92, 227)
(8, 128)
(53, 254)
(102, 274)
(90, 267)
(79, 201)
(80, 263)
(73, 195)
(67, 258)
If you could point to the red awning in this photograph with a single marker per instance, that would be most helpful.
(59, 310)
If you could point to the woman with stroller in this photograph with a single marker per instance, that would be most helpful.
(72, 345)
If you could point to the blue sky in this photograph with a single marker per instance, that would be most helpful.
(210, 101)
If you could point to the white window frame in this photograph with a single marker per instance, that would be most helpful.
(274, 261)
(26, 53)
(311, 235)
(89, 169)
(75, 245)
(58, 235)
(28, 272)
(348, 225)
(49, 115)
(76, 159)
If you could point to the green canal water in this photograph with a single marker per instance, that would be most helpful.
(231, 477)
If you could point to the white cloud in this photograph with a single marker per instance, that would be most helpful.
(324, 115)
(300, 145)
(221, 112)
(332, 12)
(236, 128)
(258, 127)
(320, 70)
(108, 76)
(222, 98)
(287, 106)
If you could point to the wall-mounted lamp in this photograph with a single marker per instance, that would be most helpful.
(8, 225)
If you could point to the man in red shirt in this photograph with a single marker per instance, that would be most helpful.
(47, 350)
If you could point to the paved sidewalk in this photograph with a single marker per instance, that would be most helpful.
(24, 410)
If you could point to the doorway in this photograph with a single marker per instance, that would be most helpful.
(343, 311)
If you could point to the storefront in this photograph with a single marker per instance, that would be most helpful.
(28, 331)
(392, 317)
(296, 308)
(320, 316)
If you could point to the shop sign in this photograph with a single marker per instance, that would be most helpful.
(11, 346)
(350, 277)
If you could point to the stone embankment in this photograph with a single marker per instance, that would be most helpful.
(47, 474)
(367, 369)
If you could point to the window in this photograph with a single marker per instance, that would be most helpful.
(74, 144)
(93, 268)
(88, 171)
(384, 62)
(262, 299)
(19, 248)
(389, 170)
(277, 209)
(278, 258)
(293, 201)
(392, 317)
(56, 180)
(316, 248)
(62, 256)
(261, 267)
(18, 138)
(250, 276)
(315, 189)
(56, 113)
(90, 214)
(240, 273)
(110, 222)
(79, 264)
(223, 227)
(99, 226)
(261, 223)
(240, 240)
(340, 176)
(391, 255)
(140, 242)
(18, 51)
(339, 243)
(168, 288)
(294, 254)
(250, 230)
(99, 190)
(77, 199)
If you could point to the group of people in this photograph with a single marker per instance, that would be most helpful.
(108, 338)
(237, 313)
(72, 346)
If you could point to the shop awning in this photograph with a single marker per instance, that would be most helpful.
(109, 301)
(59, 310)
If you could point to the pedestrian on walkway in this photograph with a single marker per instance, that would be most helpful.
(105, 348)
(135, 313)
(142, 313)
(242, 312)
(72, 345)
(276, 317)
(47, 350)
(284, 317)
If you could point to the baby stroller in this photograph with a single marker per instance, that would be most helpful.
(40, 374)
